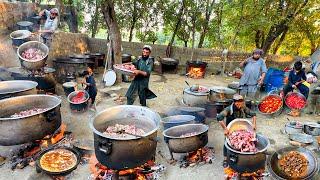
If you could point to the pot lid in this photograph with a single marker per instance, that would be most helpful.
(191, 109)
(110, 78)
(196, 93)
(221, 89)
(312, 124)
(25, 23)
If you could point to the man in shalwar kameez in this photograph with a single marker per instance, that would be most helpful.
(140, 84)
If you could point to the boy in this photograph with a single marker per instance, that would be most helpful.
(297, 79)
(90, 85)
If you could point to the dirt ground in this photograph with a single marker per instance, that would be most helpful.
(169, 89)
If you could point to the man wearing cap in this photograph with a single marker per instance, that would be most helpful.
(50, 25)
(254, 72)
(140, 84)
(236, 110)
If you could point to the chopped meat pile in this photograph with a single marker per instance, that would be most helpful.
(129, 67)
(79, 97)
(243, 140)
(28, 112)
(189, 134)
(33, 54)
(294, 164)
(119, 131)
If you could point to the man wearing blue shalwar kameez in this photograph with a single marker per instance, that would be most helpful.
(254, 72)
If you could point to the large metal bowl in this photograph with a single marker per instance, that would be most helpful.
(28, 128)
(277, 112)
(277, 173)
(17, 88)
(80, 105)
(33, 65)
(298, 94)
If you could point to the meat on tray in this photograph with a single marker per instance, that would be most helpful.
(79, 97)
(243, 140)
(189, 134)
(33, 54)
(294, 164)
(28, 112)
(129, 67)
(119, 131)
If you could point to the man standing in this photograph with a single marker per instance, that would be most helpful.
(254, 72)
(140, 84)
(50, 25)
(236, 110)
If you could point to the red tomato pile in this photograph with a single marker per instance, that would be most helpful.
(270, 104)
(294, 101)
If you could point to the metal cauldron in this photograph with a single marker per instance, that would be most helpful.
(194, 98)
(19, 37)
(218, 93)
(248, 161)
(29, 128)
(176, 120)
(128, 152)
(33, 65)
(178, 144)
(80, 105)
(312, 129)
(277, 173)
(17, 88)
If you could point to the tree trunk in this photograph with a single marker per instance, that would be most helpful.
(178, 24)
(73, 19)
(185, 43)
(280, 41)
(95, 20)
(134, 20)
(205, 26)
(107, 8)
(60, 6)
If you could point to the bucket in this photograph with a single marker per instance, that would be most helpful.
(69, 87)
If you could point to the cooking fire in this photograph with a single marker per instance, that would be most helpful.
(203, 155)
(148, 171)
(231, 174)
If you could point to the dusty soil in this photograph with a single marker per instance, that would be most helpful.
(169, 91)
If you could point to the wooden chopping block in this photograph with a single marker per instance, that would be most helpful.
(295, 143)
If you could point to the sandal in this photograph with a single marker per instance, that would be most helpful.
(225, 164)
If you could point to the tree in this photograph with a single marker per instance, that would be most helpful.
(206, 21)
(107, 8)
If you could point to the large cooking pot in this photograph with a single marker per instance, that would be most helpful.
(46, 81)
(29, 128)
(78, 105)
(128, 152)
(277, 173)
(178, 144)
(218, 93)
(191, 98)
(312, 128)
(19, 37)
(176, 120)
(29, 64)
(17, 88)
(248, 161)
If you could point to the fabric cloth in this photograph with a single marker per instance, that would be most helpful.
(252, 71)
(232, 112)
(304, 90)
(91, 88)
(50, 24)
(140, 84)
(296, 77)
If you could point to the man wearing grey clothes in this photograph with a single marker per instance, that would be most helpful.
(254, 72)
(50, 25)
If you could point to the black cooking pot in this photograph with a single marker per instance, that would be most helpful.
(21, 130)
(126, 58)
(125, 152)
(39, 168)
(99, 58)
(178, 144)
(80, 105)
(248, 161)
(277, 173)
